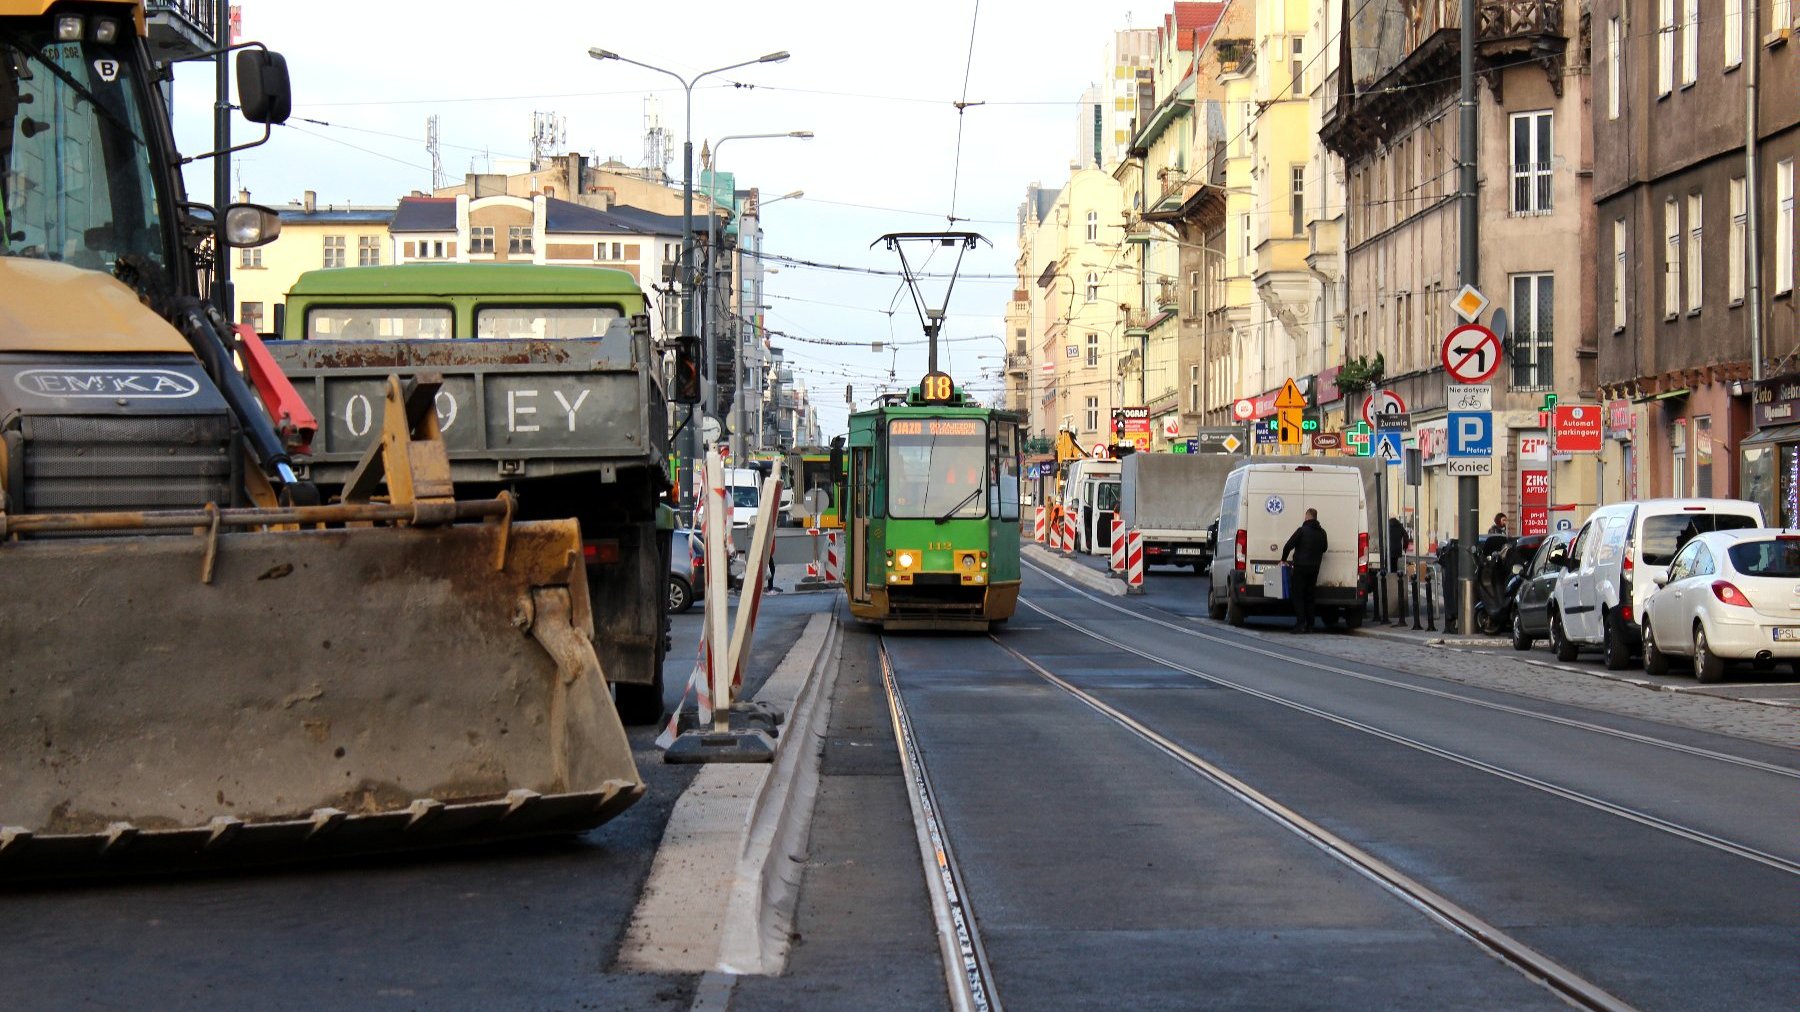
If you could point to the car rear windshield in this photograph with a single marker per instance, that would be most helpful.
(1664, 535)
(1774, 557)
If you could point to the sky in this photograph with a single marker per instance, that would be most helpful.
(876, 83)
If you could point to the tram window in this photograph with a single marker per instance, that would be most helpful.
(937, 468)
(1003, 496)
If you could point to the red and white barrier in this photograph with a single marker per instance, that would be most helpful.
(1054, 542)
(1037, 526)
(1134, 562)
(1117, 563)
(1069, 542)
(833, 572)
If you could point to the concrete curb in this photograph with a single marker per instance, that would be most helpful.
(723, 887)
(1438, 640)
(1039, 555)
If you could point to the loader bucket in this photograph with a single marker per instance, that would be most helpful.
(327, 691)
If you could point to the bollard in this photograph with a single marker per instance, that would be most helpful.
(1430, 606)
(1381, 595)
(1116, 548)
(1415, 598)
(1037, 526)
(1069, 539)
(1134, 562)
(1400, 599)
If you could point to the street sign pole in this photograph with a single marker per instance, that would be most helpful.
(1468, 488)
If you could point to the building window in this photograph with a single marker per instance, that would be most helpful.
(1614, 76)
(251, 257)
(1297, 197)
(1665, 46)
(1534, 331)
(518, 238)
(1618, 275)
(1703, 457)
(1249, 116)
(1690, 41)
(1093, 415)
(1671, 258)
(1784, 226)
(1093, 226)
(481, 239)
(1734, 32)
(1678, 456)
(368, 250)
(250, 314)
(1093, 350)
(1194, 389)
(1780, 15)
(1531, 156)
(1740, 231)
(1297, 65)
(1244, 256)
(1693, 253)
(334, 251)
(1093, 287)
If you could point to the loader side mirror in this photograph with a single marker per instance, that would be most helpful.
(248, 225)
(264, 94)
(687, 370)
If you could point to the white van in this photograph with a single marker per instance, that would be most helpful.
(1091, 495)
(1613, 563)
(1261, 507)
(743, 486)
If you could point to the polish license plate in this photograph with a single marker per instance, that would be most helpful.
(1787, 634)
(1187, 551)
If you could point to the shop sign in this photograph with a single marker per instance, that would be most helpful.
(1577, 428)
(1621, 421)
(1534, 501)
(1777, 404)
(1534, 446)
(1325, 386)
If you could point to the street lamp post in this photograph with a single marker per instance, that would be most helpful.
(687, 228)
(708, 306)
(745, 424)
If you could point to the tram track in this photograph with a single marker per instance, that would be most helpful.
(966, 970)
(1249, 646)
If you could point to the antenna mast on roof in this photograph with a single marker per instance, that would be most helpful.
(437, 160)
(547, 136)
(658, 148)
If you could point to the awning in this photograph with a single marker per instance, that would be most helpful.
(1665, 395)
(1773, 434)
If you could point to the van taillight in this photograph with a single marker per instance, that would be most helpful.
(1362, 552)
(601, 552)
(1627, 571)
(1243, 548)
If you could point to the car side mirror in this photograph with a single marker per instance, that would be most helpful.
(1660, 579)
(1517, 569)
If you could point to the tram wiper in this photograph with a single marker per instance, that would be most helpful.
(951, 513)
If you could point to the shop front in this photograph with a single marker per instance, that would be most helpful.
(1769, 460)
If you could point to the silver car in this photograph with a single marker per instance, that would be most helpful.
(1728, 596)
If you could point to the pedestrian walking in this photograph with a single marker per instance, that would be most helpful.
(1307, 547)
(1399, 543)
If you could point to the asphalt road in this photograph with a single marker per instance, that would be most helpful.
(1656, 862)
(533, 926)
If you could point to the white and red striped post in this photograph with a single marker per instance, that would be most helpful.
(833, 572)
(1054, 542)
(1116, 565)
(1037, 526)
(1134, 562)
(1068, 545)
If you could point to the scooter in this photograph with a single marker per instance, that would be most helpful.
(1497, 580)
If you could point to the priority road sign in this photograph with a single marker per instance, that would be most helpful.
(1471, 433)
(1469, 303)
(1470, 353)
(1388, 446)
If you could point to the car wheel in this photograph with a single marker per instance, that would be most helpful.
(1616, 653)
(1234, 612)
(1565, 649)
(681, 596)
(1708, 666)
(1520, 641)
(1655, 661)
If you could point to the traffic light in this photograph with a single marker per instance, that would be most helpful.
(687, 370)
(1118, 420)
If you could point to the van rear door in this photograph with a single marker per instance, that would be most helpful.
(1338, 496)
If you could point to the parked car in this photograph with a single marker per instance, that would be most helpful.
(1611, 567)
(687, 570)
(1727, 596)
(1531, 589)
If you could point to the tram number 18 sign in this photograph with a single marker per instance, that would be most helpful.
(937, 388)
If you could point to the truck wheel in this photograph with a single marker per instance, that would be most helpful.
(640, 704)
(1234, 612)
(1215, 610)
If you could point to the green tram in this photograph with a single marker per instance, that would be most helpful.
(930, 509)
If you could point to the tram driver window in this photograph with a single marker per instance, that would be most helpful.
(1003, 493)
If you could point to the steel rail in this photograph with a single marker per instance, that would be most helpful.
(1560, 980)
(1519, 711)
(1688, 833)
(966, 970)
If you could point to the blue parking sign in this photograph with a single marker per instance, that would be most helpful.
(1471, 433)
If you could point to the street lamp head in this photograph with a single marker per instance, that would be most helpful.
(806, 134)
(774, 57)
(602, 54)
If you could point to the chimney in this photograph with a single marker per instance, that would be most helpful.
(243, 196)
(310, 202)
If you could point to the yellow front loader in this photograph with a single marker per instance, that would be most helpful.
(198, 661)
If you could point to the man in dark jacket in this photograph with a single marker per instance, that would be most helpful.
(1307, 546)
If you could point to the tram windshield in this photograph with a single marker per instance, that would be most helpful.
(937, 468)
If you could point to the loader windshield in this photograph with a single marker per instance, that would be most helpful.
(77, 176)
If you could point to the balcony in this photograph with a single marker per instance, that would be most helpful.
(1018, 364)
(181, 29)
(1504, 21)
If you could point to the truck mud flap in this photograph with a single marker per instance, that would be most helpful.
(322, 692)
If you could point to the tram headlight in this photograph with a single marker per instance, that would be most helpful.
(906, 560)
(968, 560)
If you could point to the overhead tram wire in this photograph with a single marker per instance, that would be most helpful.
(962, 110)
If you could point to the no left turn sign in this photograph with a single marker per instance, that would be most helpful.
(1470, 353)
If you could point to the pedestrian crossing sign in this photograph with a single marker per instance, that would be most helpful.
(1388, 447)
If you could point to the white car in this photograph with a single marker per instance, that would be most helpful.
(1728, 596)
